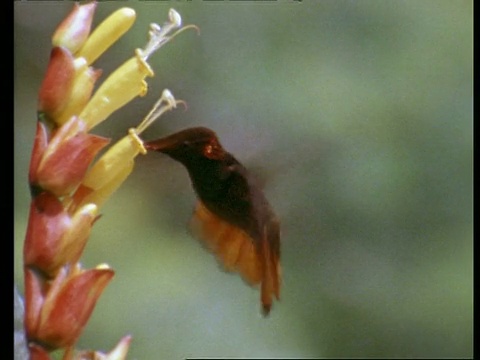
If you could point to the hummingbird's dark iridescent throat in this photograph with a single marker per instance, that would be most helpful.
(232, 216)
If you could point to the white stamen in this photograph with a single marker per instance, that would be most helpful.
(165, 103)
(158, 35)
(175, 17)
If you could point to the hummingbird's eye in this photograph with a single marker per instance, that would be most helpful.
(208, 150)
(211, 150)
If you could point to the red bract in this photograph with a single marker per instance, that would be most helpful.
(54, 237)
(66, 158)
(47, 223)
(57, 83)
(64, 307)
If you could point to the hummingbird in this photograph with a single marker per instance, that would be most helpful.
(232, 216)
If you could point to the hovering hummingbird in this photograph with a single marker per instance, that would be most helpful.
(232, 215)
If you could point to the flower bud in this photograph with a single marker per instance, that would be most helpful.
(75, 28)
(107, 33)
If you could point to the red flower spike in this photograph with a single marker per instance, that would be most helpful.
(67, 158)
(57, 83)
(66, 312)
(73, 31)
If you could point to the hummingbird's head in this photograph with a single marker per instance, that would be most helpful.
(189, 145)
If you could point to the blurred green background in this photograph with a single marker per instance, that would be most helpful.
(357, 116)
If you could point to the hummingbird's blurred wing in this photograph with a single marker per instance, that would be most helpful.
(237, 251)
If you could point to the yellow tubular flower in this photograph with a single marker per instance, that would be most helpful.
(122, 86)
(114, 161)
(127, 81)
(101, 195)
(107, 33)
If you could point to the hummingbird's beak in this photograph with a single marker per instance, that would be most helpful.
(163, 144)
(170, 143)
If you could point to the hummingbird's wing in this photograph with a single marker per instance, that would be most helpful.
(232, 246)
(237, 251)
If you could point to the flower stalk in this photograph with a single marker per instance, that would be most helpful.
(68, 186)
